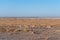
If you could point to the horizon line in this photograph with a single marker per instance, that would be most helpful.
(34, 17)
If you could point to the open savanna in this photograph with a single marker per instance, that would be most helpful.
(16, 24)
(29, 21)
(29, 29)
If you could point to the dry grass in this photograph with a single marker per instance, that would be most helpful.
(36, 22)
(12, 24)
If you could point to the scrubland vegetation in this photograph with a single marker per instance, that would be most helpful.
(29, 29)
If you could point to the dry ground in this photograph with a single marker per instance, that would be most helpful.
(29, 29)
(29, 21)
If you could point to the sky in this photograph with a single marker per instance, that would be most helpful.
(29, 8)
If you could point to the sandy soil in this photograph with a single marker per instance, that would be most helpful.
(29, 29)
(35, 33)
(30, 21)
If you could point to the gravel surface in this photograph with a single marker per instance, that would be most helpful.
(35, 33)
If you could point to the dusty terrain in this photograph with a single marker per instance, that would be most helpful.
(29, 29)
(31, 21)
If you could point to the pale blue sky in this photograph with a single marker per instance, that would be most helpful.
(28, 8)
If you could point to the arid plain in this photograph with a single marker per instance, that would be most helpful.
(29, 29)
